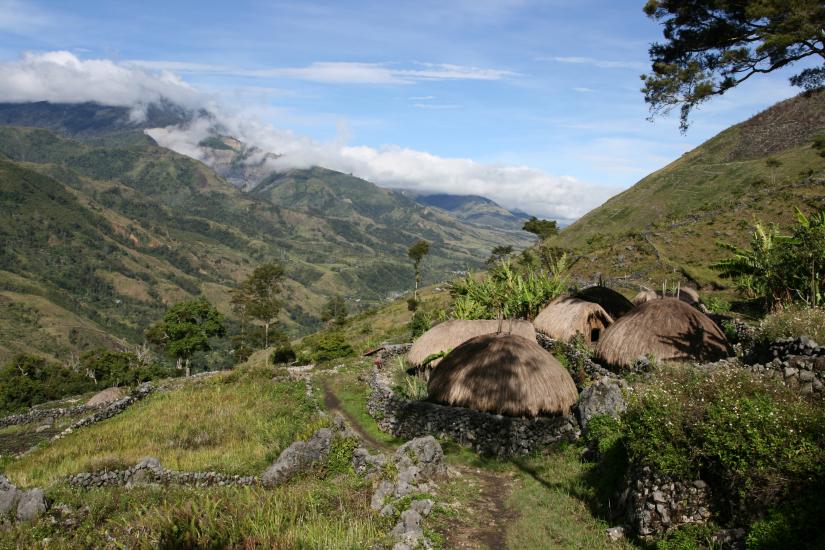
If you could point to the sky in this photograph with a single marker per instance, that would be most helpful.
(535, 104)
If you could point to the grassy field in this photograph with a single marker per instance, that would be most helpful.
(228, 423)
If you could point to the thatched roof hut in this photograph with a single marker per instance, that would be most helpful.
(643, 296)
(611, 301)
(669, 329)
(449, 335)
(689, 295)
(503, 374)
(565, 316)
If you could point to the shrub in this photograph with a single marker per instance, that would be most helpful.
(791, 322)
(26, 381)
(715, 304)
(755, 441)
(283, 354)
(328, 346)
(420, 323)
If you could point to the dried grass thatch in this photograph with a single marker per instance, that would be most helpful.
(503, 374)
(669, 329)
(449, 335)
(643, 296)
(611, 301)
(565, 316)
(689, 295)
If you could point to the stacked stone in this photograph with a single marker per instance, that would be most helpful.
(489, 434)
(658, 504)
(149, 470)
(110, 410)
(798, 362)
(44, 414)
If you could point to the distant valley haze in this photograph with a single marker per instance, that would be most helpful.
(535, 105)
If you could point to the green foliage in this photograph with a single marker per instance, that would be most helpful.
(499, 253)
(509, 290)
(689, 537)
(713, 46)
(796, 526)
(715, 304)
(335, 311)
(328, 346)
(339, 460)
(416, 252)
(757, 442)
(420, 323)
(258, 296)
(26, 381)
(283, 354)
(111, 368)
(780, 268)
(187, 327)
(819, 144)
(542, 228)
(791, 322)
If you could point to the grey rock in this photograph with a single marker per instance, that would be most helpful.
(425, 454)
(9, 497)
(422, 506)
(299, 457)
(365, 463)
(615, 534)
(31, 505)
(384, 489)
(149, 463)
(387, 510)
(602, 397)
(408, 529)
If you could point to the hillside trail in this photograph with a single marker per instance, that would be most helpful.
(484, 519)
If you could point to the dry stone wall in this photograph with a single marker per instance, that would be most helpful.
(149, 470)
(798, 362)
(488, 434)
(657, 504)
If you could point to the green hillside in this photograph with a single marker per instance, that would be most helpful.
(101, 238)
(667, 225)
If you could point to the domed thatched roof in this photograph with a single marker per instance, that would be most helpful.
(451, 334)
(669, 329)
(689, 295)
(644, 296)
(106, 396)
(611, 301)
(565, 316)
(503, 374)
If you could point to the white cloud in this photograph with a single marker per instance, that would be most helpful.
(583, 90)
(337, 72)
(600, 63)
(61, 76)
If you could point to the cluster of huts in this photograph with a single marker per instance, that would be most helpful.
(499, 367)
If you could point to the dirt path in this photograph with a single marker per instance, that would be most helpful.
(333, 404)
(487, 517)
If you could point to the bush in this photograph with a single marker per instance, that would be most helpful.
(755, 441)
(327, 346)
(26, 381)
(111, 368)
(716, 304)
(420, 323)
(283, 354)
(791, 322)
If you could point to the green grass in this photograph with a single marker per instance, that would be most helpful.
(233, 425)
(309, 513)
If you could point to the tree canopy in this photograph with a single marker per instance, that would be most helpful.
(542, 228)
(712, 46)
(258, 296)
(186, 328)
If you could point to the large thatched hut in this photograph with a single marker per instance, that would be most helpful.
(503, 374)
(685, 293)
(668, 329)
(611, 301)
(451, 334)
(565, 316)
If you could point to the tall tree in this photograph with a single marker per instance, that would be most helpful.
(499, 253)
(187, 327)
(335, 310)
(542, 228)
(417, 251)
(258, 296)
(712, 46)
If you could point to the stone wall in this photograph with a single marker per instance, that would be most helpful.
(149, 470)
(486, 433)
(798, 362)
(656, 504)
(109, 410)
(35, 415)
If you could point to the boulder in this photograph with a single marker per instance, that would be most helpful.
(9, 496)
(299, 457)
(31, 505)
(106, 396)
(602, 397)
(366, 464)
(422, 457)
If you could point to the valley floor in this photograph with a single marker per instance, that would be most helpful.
(237, 423)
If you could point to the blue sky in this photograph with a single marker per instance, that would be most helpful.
(502, 85)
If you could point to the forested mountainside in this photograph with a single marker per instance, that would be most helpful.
(103, 230)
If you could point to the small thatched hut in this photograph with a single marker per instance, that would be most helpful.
(643, 296)
(565, 316)
(451, 334)
(503, 374)
(669, 329)
(611, 301)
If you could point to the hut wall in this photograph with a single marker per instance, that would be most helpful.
(488, 434)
